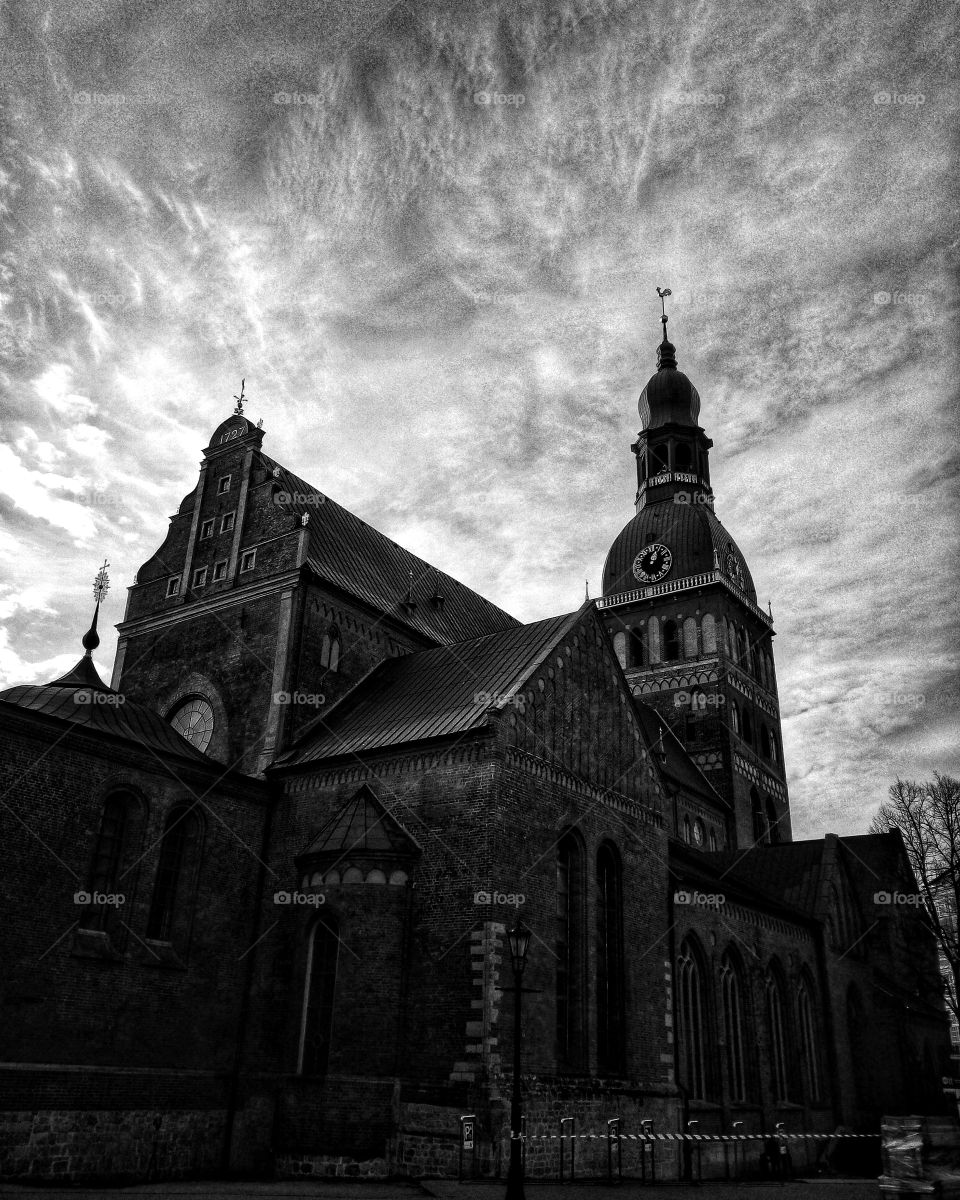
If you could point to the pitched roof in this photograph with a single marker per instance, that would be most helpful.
(361, 826)
(83, 699)
(671, 757)
(432, 693)
(788, 872)
(350, 554)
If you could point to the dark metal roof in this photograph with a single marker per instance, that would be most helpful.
(83, 699)
(350, 554)
(788, 873)
(431, 693)
(671, 757)
(692, 533)
(362, 826)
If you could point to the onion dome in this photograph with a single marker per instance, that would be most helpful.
(669, 397)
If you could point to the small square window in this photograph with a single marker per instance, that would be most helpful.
(200, 577)
(226, 523)
(223, 484)
(173, 585)
(206, 528)
(220, 570)
(248, 560)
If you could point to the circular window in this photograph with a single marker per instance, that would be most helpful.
(194, 721)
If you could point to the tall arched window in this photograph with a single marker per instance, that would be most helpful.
(765, 741)
(330, 649)
(620, 647)
(658, 459)
(682, 458)
(636, 646)
(761, 832)
(653, 639)
(690, 648)
(571, 949)
(809, 1042)
(735, 716)
(687, 830)
(318, 998)
(777, 1032)
(773, 822)
(610, 998)
(176, 874)
(671, 641)
(691, 1030)
(747, 733)
(734, 1026)
(120, 815)
(708, 629)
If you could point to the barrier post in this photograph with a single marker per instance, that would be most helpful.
(613, 1131)
(737, 1125)
(690, 1129)
(649, 1148)
(783, 1152)
(468, 1129)
(572, 1145)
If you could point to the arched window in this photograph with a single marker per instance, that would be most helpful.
(765, 741)
(653, 639)
(571, 948)
(687, 830)
(330, 649)
(691, 1026)
(734, 1026)
(176, 874)
(761, 833)
(318, 998)
(690, 637)
(708, 628)
(771, 681)
(747, 733)
(773, 822)
(735, 716)
(742, 645)
(620, 647)
(714, 844)
(682, 458)
(121, 813)
(636, 646)
(777, 1032)
(610, 1024)
(658, 459)
(696, 726)
(809, 1042)
(671, 641)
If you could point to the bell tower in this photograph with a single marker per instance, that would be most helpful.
(681, 607)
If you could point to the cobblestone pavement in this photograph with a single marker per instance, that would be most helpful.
(815, 1189)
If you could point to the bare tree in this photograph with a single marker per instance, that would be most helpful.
(928, 817)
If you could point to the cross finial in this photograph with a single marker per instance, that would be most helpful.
(101, 584)
(239, 399)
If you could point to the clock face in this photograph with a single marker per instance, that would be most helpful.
(652, 563)
(194, 721)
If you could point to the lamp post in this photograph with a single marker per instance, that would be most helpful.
(519, 939)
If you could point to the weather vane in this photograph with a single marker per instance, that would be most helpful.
(101, 585)
(663, 305)
(239, 399)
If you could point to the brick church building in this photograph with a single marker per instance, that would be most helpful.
(257, 887)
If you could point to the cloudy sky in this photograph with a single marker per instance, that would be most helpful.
(429, 236)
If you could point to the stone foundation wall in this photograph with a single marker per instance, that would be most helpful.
(100, 1144)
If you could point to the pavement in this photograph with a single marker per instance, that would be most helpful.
(445, 1189)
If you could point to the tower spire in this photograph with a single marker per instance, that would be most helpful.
(666, 353)
(101, 585)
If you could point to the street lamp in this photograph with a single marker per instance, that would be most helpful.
(519, 940)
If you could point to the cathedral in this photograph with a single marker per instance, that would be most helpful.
(258, 887)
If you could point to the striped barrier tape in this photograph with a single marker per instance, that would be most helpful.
(686, 1137)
